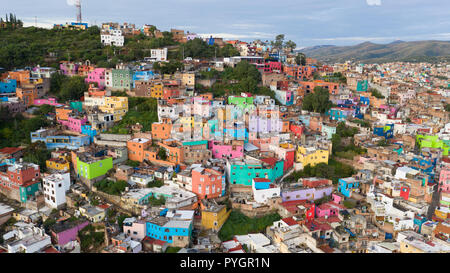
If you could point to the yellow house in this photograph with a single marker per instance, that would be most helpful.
(311, 156)
(214, 217)
(188, 79)
(61, 163)
(156, 91)
(115, 105)
(94, 214)
(441, 213)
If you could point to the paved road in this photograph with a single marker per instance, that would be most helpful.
(434, 202)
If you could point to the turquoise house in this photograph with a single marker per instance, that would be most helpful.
(242, 172)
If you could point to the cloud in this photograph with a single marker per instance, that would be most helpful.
(73, 2)
(373, 2)
(257, 35)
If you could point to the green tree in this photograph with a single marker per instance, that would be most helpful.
(290, 45)
(300, 59)
(162, 154)
(278, 43)
(318, 101)
(73, 88)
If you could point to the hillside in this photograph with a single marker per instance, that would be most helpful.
(371, 53)
(31, 46)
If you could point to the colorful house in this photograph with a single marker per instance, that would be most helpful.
(285, 97)
(235, 149)
(115, 105)
(20, 181)
(91, 169)
(384, 131)
(53, 139)
(8, 86)
(311, 156)
(206, 183)
(213, 217)
(175, 233)
(432, 141)
(242, 172)
(362, 85)
(348, 185)
(96, 76)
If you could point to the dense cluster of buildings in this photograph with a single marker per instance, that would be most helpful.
(207, 157)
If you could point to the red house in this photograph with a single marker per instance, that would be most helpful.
(206, 183)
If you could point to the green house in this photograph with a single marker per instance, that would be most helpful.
(242, 173)
(28, 191)
(122, 79)
(242, 102)
(433, 142)
(362, 86)
(93, 168)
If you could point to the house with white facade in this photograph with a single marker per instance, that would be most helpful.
(55, 187)
(113, 38)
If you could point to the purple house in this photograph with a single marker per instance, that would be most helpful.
(68, 68)
(297, 192)
(259, 124)
(97, 76)
(67, 231)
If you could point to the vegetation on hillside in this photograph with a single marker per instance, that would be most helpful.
(318, 101)
(111, 187)
(15, 130)
(333, 171)
(239, 224)
(31, 46)
(141, 110)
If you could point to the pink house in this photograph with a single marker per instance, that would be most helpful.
(97, 76)
(444, 180)
(328, 209)
(233, 150)
(74, 124)
(49, 101)
(135, 229)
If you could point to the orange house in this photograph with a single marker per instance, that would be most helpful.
(136, 148)
(307, 87)
(162, 130)
(206, 96)
(21, 76)
(63, 113)
(27, 95)
(83, 70)
(174, 151)
(285, 126)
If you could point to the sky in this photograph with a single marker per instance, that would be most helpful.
(306, 22)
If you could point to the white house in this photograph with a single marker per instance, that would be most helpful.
(141, 179)
(55, 188)
(159, 54)
(113, 38)
(26, 238)
(263, 193)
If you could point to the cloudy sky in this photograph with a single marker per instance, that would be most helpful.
(307, 22)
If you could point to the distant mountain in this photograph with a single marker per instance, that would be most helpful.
(378, 53)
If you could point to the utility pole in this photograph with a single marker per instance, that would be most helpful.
(35, 21)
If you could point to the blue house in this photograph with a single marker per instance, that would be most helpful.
(142, 76)
(8, 86)
(54, 140)
(364, 100)
(339, 114)
(384, 131)
(170, 231)
(419, 220)
(87, 130)
(348, 185)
